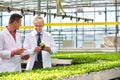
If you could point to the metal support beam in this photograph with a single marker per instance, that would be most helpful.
(5, 8)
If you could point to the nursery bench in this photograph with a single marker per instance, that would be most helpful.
(61, 62)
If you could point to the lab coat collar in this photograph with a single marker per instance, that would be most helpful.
(35, 33)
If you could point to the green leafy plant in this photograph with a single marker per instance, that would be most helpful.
(109, 60)
(42, 45)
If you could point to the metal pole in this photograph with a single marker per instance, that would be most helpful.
(39, 6)
(76, 33)
(105, 19)
(116, 40)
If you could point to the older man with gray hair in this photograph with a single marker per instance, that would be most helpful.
(40, 45)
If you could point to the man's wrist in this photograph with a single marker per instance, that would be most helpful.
(12, 53)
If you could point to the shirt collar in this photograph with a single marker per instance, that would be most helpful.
(10, 30)
(37, 33)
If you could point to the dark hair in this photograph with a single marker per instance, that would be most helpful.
(14, 17)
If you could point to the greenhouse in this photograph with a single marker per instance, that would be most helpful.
(78, 40)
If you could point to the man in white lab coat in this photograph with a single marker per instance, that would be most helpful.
(10, 51)
(30, 44)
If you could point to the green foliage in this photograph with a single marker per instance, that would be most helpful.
(42, 44)
(86, 63)
(80, 58)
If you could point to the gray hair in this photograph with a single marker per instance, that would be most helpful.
(38, 19)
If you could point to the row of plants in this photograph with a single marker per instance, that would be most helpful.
(110, 60)
(80, 58)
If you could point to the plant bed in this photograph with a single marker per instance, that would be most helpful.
(61, 72)
(111, 74)
(118, 78)
(87, 64)
(82, 58)
(61, 62)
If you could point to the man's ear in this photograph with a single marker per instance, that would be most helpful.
(14, 23)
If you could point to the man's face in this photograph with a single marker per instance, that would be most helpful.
(38, 26)
(18, 24)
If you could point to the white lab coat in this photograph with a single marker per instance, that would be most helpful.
(30, 43)
(7, 43)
